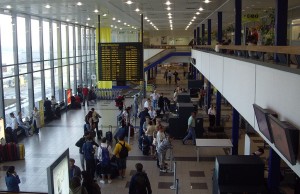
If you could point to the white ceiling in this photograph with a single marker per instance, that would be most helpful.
(182, 11)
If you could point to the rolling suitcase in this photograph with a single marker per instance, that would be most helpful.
(131, 130)
(99, 132)
(108, 134)
(21, 151)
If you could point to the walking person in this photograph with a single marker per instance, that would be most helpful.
(175, 76)
(95, 119)
(212, 115)
(166, 75)
(36, 120)
(140, 183)
(12, 180)
(85, 93)
(191, 129)
(161, 103)
(169, 76)
(154, 97)
(121, 153)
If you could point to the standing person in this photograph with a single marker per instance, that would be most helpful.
(12, 180)
(169, 76)
(75, 186)
(191, 129)
(36, 120)
(147, 103)
(79, 144)
(14, 126)
(85, 93)
(161, 104)
(149, 134)
(136, 105)
(166, 75)
(89, 121)
(160, 136)
(162, 151)
(23, 125)
(140, 183)
(95, 118)
(89, 184)
(74, 171)
(88, 152)
(175, 95)
(152, 113)
(79, 91)
(175, 76)
(155, 97)
(142, 117)
(121, 153)
(212, 115)
(103, 156)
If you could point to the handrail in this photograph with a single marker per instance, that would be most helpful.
(164, 46)
(158, 56)
(290, 50)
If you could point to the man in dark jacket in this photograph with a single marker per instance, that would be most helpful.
(79, 144)
(74, 170)
(142, 117)
(139, 183)
(161, 103)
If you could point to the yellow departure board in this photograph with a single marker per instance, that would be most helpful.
(120, 61)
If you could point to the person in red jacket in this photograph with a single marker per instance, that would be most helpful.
(85, 92)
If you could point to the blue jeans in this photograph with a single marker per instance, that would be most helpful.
(191, 134)
(154, 104)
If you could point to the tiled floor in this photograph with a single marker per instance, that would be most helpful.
(58, 135)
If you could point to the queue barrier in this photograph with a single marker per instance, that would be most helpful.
(108, 94)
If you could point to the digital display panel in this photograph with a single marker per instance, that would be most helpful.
(263, 122)
(58, 175)
(120, 61)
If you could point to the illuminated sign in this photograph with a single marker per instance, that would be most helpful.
(120, 61)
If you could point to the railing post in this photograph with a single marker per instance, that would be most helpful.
(177, 185)
(174, 180)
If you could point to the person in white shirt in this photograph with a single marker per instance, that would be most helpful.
(23, 125)
(212, 115)
(152, 113)
(175, 95)
(147, 103)
(155, 97)
(104, 169)
(14, 126)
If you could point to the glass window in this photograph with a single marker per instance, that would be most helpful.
(48, 82)
(78, 73)
(71, 42)
(6, 27)
(65, 76)
(37, 84)
(9, 96)
(46, 64)
(36, 66)
(46, 40)
(55, 39)
(87, 37)
(8, 71)
(77, 41)
(22, 40)
(64, 40)
(35, 38)
(24, 94)
(22, 68)
(83, 42)
(57, 81)
(72, 78)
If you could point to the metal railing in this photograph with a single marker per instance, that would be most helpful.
(108, 94)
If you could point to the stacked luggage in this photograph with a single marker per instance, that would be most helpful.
(12, 152)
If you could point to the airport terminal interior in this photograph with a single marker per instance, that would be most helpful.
(234, 63)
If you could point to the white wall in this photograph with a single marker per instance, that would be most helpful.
(244, 83)
(148, 53)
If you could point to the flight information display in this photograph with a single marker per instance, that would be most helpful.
(120, 61)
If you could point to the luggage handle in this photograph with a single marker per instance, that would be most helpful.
(110, 128)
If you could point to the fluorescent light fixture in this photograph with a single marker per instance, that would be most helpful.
(168, 8)
(116, 26)
(201, 9)
(168, 3)
(137, 9)
(96, 11)
(207, 1)
(113, 19)
(197, 13)
(170, 17)
(48, 6)
(76, 22)
(93, 26)
(79, 3)
(119, 21)
(87, 24)
(192, 20)
(146, 18)
(194, 17)
(67, 20)
(121, 28)
(129, 2)
(128, 25)
(151, 23)
(112, 26)
(8, 7)
(88, 19)
(104, 15)
(125, 23)
(169, 14)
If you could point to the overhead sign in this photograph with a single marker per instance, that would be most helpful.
(250, 18)
(120, 61)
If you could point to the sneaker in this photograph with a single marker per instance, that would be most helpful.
(109, 181)
(102, 181)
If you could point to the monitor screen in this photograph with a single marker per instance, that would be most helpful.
(282, 139)
(263, 122)
(58, 175)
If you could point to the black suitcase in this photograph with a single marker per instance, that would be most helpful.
(109, 134)
(100, 132)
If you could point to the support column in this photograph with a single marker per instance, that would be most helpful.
(235, 131)
(238, 22)
(281, 17)
(195, 36)
(220, 24)
(218, 109)
(274, 171)
(203, 34)
(208, 94)
(198, 36)
(209, 32)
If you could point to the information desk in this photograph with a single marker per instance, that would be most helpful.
(224, 143)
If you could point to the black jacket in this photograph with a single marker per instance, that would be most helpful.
(140, 184)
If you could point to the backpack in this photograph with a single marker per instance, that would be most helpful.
(105, 156)
(140, 183)
(124, 151)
